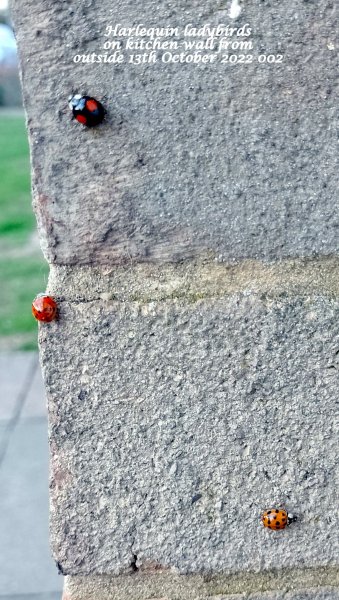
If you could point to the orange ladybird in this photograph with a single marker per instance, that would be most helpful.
(276, 518)
(44, 308)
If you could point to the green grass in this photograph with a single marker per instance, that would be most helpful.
(23, 270)
(23, 279)
(16, 216)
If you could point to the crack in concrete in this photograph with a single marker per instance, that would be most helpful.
(134, 566)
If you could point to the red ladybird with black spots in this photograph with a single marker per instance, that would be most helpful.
(87, 110)
(44, 308)
(277, 518)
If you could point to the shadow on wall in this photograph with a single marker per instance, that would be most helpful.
(10, 88)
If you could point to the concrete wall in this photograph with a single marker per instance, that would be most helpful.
(192, 375)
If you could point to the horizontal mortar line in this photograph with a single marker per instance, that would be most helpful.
(255, 592)
(205, 586)
(189, 299)
(287, 579)
(194, 281)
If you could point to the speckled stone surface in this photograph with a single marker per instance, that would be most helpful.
(174, 425)
(239, 160)
(191, 396)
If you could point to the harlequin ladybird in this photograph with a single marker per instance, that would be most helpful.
(86, 110)
(277, 518)
(44, 308)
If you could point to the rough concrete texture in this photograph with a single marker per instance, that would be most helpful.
(275, 585)
(186, 398)
(238, 160)
(173, 425)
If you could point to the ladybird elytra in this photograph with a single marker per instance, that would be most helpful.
(44, 308)
(276, 518)
(86, 110)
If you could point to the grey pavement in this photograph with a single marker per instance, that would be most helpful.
(27, 571)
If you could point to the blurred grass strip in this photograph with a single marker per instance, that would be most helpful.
(20, 281)
(16, 217)
(23, 270)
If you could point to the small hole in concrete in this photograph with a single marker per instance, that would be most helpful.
(134, 563)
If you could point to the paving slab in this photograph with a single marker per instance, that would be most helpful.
(44, 596)
(4, 434)
(35, 402)
(26, 564)
(15, 370)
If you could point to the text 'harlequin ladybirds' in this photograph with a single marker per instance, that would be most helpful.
(44, 308)
(86, 110)
(277, 518)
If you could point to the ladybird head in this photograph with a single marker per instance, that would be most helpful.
(76, 102)
(291, 518)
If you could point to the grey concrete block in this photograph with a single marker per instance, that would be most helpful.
(25, 558)
(236, 160)
(174, 425)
